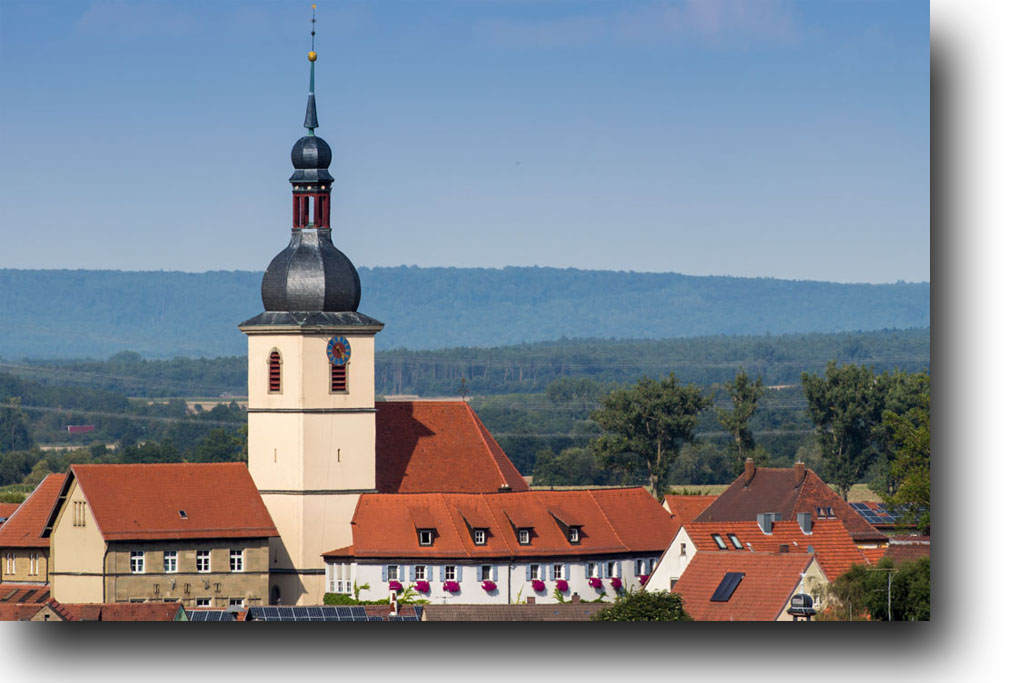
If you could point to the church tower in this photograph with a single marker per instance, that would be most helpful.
(312, 424)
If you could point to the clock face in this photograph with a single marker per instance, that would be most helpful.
(339, 350)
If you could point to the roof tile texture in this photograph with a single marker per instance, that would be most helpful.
(612, 520)
(560, 612)
(762, 595)
(24, 529)
(776, 490)
(435, 446)
(142, 502)
(685, 508)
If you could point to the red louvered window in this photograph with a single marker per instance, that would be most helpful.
(274, 384)
(339, 378)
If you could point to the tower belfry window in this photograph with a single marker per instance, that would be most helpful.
(274, 372)
(339, 378)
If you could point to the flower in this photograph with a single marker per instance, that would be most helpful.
(451, 586)
(643, 579)
(562, 585)
(488, 586)
(423, 586)
(538, 585)
(595, 582)
(394, 585)
(616, 583)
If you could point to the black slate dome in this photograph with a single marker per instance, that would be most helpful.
(310, 274)
(311, 151)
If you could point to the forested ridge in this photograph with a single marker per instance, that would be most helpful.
(50, 314)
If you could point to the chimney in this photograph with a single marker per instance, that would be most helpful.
(748, 471)
(783, 548)
(799, 470)
(766, 520)
(531, 600)
(576, 598)
(804, 520)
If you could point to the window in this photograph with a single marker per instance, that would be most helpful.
(10, 563)
(236, 602)
(639, 568)
(170, 561)
(426, 536)
(78, 518)
(235, 560)
(574, 534)
(727, 587)
(202, 560)
(486, 574)
(137, 561)
(524, 537)
(534, 572)
(613, 569)
(735, 542)
(420, 572)
(33, 564)
(274, 369)
(592, 570)
(449, 572)
(339, 379)
(202, 602)
(392, 572)
(479, 536)
(719, 542)
(341, 581)
(682, 549)
(558, 571)
(182, 514)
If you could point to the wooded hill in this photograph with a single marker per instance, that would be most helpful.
(50, 314)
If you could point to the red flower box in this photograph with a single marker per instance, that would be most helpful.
(538, 585)
(616, 583)
(451, 586)
(595, 582)
(643, 579)
(489, 586)
(395, 586)
(423, 586)
(562, 585)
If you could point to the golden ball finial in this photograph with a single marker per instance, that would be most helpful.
(312, 56)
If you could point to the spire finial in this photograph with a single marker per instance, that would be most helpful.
(311, 121)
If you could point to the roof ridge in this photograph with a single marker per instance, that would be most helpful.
(611, 526)
(478, 424)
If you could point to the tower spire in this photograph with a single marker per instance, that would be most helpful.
(311, 122)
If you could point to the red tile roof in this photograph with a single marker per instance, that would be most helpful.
(24, 529)
(777, 490)
(762, 595)
(685, 508)
(439, 446)
(142, 502)
(18, 612)
(7, 509)
(117, 611)
(908, 549)
(568, 611)
(11, 593)
(612, 521)
(833, 546)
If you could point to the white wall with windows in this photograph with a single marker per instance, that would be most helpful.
(673, 562)
(590, 577)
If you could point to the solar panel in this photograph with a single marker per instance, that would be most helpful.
(727, 586)
(376, 618)
(316, 612)
(195, 616)
(227, 616)
(300, 613)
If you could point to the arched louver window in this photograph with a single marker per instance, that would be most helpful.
(339, 378)
(274, 384)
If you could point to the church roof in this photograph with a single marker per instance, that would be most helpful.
(439, 446)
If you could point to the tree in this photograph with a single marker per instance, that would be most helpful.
(846, 408)
(911, 466)
(745, 395)
(574, 466)
(865, 592)
(218, 446)
(14, 434)
(902, 392)
(644, 605)
(645, 425)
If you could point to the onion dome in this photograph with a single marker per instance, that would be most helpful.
(310, 274)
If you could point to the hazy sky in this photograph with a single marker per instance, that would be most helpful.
(722, 137)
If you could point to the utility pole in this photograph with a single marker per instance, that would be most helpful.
(888, 586)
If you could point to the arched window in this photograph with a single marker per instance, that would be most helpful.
(274, 383)
(339, 378)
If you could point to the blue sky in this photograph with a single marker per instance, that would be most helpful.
(756, 138)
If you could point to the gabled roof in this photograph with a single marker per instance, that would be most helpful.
(834, 548)
(568, 611)
(611, 521)
(143, 502)
(685, 508)
(6, 510)
(117, 611)
(19, 612)
(761, 595)
(25, 527)
(439, 446)
(786, 491)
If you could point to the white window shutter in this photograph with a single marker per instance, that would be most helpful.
(458, 573)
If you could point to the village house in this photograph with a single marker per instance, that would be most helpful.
(189, 532)
(501, 548)
(24, 552)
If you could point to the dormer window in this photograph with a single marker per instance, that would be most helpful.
(524, 537)
(480, 536)
(426, 536)
(574, 534)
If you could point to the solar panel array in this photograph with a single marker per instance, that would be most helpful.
(323, 613)
(210, 615)
(727, 586)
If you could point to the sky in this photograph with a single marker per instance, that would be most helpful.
(754, 138)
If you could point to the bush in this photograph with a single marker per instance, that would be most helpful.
(645, 606)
